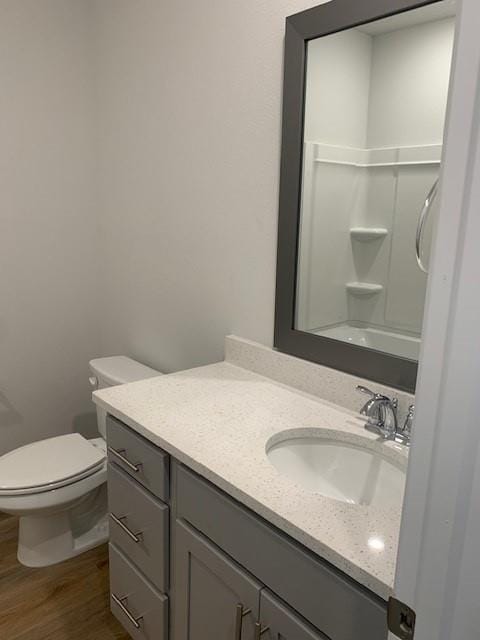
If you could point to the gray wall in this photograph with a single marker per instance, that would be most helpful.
(190, 96)
(48, 252)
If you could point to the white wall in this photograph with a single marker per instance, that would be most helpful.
(48, 320)
(190, 96)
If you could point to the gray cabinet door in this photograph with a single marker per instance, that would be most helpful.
(279, 622)
(209, 589)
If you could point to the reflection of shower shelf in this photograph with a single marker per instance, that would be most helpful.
(367, 234)
(374, 165)
(363, 288)
(429, 154)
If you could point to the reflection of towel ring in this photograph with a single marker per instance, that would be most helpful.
(432, 194)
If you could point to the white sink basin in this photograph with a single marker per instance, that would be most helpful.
(355, 473)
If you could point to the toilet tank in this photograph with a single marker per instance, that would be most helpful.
(108, 372)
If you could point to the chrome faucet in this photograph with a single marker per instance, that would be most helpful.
(381, 414)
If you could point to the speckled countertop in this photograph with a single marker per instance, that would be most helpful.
(217, 420)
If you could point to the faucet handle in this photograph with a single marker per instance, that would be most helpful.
(377, 396)
(406, 431)
(367, 391)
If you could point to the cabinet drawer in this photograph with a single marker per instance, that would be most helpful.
(142, 460)
(141, 609)
(139, 526)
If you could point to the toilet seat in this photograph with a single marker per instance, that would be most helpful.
(49, 464)
(51, 500)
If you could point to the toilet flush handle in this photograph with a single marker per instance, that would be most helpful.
(93, 382)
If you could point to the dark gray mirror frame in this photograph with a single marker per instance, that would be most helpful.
(325, 19)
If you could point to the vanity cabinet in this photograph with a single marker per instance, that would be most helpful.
(199, 565)
(329, 600)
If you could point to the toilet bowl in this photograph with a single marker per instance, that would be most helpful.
(57, 486)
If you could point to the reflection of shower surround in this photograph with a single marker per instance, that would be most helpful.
(359, 216)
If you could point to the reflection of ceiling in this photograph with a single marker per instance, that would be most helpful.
(436, 11)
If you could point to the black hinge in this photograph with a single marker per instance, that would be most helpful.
(401, 619)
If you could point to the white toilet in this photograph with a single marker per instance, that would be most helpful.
(58, 486)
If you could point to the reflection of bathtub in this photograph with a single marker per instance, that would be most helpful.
(397, 344)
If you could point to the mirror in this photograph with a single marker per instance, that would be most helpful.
(373, 111)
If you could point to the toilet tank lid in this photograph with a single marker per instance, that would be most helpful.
(120, 370)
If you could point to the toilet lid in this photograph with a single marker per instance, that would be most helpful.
(49, 463)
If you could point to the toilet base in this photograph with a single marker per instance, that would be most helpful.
(49, 539)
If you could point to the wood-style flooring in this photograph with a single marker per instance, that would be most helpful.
(68, 601)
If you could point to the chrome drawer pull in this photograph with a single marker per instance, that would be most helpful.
(241, 613)
(259, 631)
(134, 536)
(119, 601)
(118, 454)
